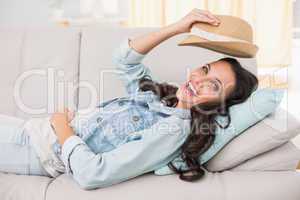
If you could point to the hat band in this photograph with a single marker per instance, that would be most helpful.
(214, 37)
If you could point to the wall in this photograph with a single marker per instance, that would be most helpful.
(37, 12)
(23, 12)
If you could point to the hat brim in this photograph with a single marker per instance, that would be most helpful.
(236, 49)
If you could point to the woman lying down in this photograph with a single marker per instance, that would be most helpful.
(129, 136)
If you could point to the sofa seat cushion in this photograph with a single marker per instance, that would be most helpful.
(214, 186)
(19, 187)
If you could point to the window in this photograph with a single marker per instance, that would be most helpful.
(82, 12)
(285, 77)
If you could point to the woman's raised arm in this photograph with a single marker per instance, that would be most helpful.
(128, 57)
(146, 43)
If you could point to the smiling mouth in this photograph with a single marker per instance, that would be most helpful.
(191, 89)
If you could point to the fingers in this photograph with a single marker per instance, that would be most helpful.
(71, 115)
(203, 18)
(211, 16)
(206, 16)
(66, 111)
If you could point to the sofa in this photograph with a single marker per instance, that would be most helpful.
(72, 67)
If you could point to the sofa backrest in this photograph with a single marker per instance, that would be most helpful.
(168, 62)
(36, 64)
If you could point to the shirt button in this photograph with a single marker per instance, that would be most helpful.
(99, 119)
(135, 118)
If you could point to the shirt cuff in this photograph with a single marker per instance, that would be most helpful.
(129, 54)
(68, 148)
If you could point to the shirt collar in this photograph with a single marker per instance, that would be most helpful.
(160, 107)
(156, 105)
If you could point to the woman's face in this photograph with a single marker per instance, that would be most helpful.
(207, 84)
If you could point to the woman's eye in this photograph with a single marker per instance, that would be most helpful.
(215, 87)
(205, 69)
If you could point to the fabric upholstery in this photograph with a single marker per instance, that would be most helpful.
(18, 187)
(268, 134)
(10, 51)
(215, 186)
(283, 158)
(42, 63)
(41, 48)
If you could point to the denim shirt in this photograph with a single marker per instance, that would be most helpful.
(128, 136)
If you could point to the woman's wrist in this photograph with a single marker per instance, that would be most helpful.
(62, 129)
(63, 132)
(170, 31)
(175, 29)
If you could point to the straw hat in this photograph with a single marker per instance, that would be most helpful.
(234, 36)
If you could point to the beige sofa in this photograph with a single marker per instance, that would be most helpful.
(73, 55)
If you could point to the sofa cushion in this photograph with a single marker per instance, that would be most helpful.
(16, 187)
(214, 186)
(52, 55)
(283, 158)
(268, 134)
(10, 51)
(43, 66)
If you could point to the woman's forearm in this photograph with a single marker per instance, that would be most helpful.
(144, 44)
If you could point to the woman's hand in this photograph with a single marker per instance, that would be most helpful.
(60, 123)
(196, 15)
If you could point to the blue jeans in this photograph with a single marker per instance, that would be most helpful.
(16, 153)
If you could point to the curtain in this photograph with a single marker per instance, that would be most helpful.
(147, 13)
(271, 21)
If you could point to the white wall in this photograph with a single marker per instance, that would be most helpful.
(23, 12)
(38, 12)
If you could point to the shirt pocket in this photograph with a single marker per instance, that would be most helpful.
(137, 118)
(122, 124)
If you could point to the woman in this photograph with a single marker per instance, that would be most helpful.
(129, 136)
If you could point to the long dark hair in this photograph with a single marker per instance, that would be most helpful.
(203, 123)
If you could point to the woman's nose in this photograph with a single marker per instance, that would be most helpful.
(196, 82)
(199, 81)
